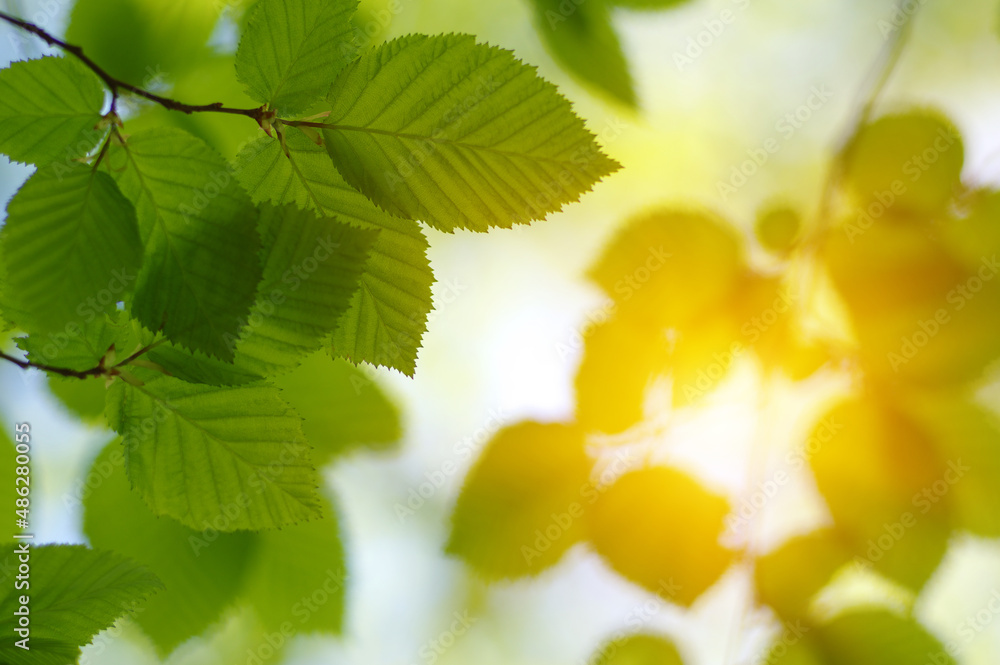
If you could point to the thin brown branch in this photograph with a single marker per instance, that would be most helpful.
(99, 370)
(117, 86)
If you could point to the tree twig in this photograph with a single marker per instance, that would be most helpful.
(99, 370)
(117, 86)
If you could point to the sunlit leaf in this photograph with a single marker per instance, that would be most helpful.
(908, 164)
(672, 264)
(388, 314)
(873, 466)
(41, 123)
(458, 135)
(240, 451)
(74, 593)
(522, 505)
(70, 246)
(292, 50)
(660, 529)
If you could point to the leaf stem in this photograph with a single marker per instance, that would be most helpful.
(117, 86)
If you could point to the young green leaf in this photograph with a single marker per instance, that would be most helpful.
(583, 40)
(388, 314)
(75, 593)
(522, 505)
(201, 572)
(40, 123)
(70, 244)
(201, 269)
(196, 452)
(298, 576)
(458, 134)
(292, 50)
(78, 347)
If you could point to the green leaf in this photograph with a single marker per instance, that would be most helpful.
(660, 528)
(610, 388)
(201, 572)
(41, 122)
(196, 452)
(458, 134)
(873, 465)
(74, 594)
(968, 437)
(201, 270)
(522, 505)
(583, 40)
(297, 576)
(860, 637)
(638, 649)
(388, 314)
(292, 49)
(311, 270)
(788, 577)
(341, 408)
(71, 246)
(77, 347)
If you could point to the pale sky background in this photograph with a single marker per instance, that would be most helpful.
(508, 300)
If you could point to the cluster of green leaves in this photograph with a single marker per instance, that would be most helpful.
(176, 289)
(582, 38)
(904, 462)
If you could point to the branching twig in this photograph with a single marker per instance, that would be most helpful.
(116, 85)
(99, 370)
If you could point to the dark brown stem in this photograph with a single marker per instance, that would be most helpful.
(116, 85)
(99, 370)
